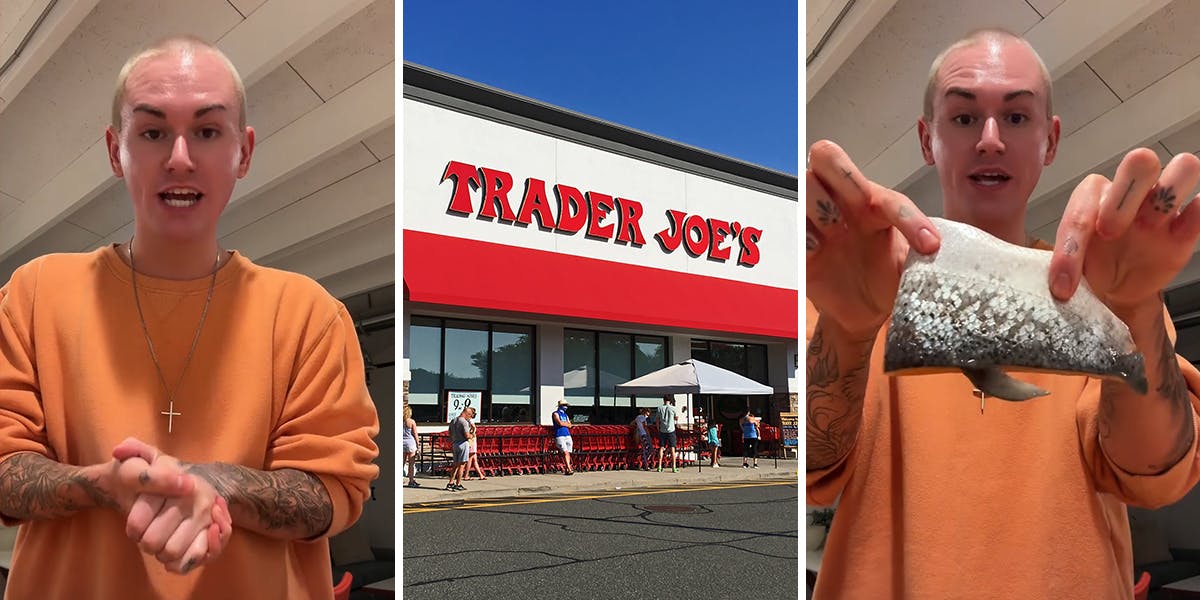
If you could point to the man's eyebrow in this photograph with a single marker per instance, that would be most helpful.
(200, 112)
(1017, 94)
(969, 95)
(209, 108)
(146, 108)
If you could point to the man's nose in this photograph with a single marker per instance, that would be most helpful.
(989, 138)
(180, 159)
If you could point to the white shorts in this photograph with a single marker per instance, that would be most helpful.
(410, 447)
(563, 442)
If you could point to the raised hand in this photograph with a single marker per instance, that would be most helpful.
(1128, 237)
(858, 234)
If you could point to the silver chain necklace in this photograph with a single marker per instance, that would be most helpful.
(170, 413)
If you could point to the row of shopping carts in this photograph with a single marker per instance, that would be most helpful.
(526, 449)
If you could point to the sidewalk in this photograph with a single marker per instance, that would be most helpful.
(433, 488)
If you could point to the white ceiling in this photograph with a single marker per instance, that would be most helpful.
(320, 79)
(1126, 74)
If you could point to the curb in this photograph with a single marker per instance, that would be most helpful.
(601, 481)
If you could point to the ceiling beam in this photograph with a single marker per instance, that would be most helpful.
(272, 34)
(364, 277)
(1152, 114)
(1062, 44)
(858, 22)
(59, 23)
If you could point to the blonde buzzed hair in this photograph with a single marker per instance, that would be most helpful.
(175, 44)
(977, 37)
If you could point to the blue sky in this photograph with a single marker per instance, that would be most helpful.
(719, 75)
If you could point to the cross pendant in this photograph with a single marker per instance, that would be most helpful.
(170, 414)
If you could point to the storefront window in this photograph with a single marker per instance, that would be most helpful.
(425, 364)
(649, 355)
(458, 355)
(612, 358)
(466, 355)
(512, 375)
(616, 364)
(579, 371)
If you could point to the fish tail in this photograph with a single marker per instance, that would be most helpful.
(994, 382)
(1131, 368)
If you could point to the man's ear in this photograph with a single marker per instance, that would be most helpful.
(1052, 140)
(114, 151)
(247, 150)
(925, 137)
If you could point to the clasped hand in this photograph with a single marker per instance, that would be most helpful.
(175, 516)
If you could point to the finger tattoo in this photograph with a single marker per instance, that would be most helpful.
(1164, 199)
(144, 477)
(829, 212)
(1071, 246)
(810, 242)
(1126, 194)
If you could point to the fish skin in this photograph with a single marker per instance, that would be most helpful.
(982, 303)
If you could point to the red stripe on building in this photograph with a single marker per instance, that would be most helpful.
(454, 271)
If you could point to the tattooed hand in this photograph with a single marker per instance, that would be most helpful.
(857, 238)
(177, 517)
(1128, 236)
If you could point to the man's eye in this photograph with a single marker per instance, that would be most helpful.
(1017, 118)
(152, 134)
(963, 119)
(209, 133)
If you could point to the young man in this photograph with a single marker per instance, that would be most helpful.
(146, 385)
(937, 500)
(562, 434)
(666, 416)
(460, 448)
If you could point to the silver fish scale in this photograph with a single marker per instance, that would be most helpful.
(981, 302)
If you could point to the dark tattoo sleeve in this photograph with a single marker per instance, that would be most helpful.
(287, 503)
(1172, 388)
(835, 395)
(35, 487)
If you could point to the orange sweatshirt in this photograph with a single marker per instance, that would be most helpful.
(277, 382)
(940, 501)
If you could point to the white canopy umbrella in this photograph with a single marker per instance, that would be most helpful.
(693, 377)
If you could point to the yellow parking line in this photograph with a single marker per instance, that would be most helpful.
(484, 504)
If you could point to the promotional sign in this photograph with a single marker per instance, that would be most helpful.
(456, 402)
(789, 429)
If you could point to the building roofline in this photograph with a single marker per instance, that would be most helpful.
(438, 88)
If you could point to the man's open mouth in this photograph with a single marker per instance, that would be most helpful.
(989, 178)
(180, 197)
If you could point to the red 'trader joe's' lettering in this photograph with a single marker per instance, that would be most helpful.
(496, 187)
(571, 213)
(535, 202)
(463, 175)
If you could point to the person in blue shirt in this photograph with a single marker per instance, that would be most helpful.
(714, 444)
(749, 438)
(562, 434)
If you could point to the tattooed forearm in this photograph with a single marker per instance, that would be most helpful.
(287, 503)
(835, 390)
(35, 487)
(1173, 389)
(1126, 420)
